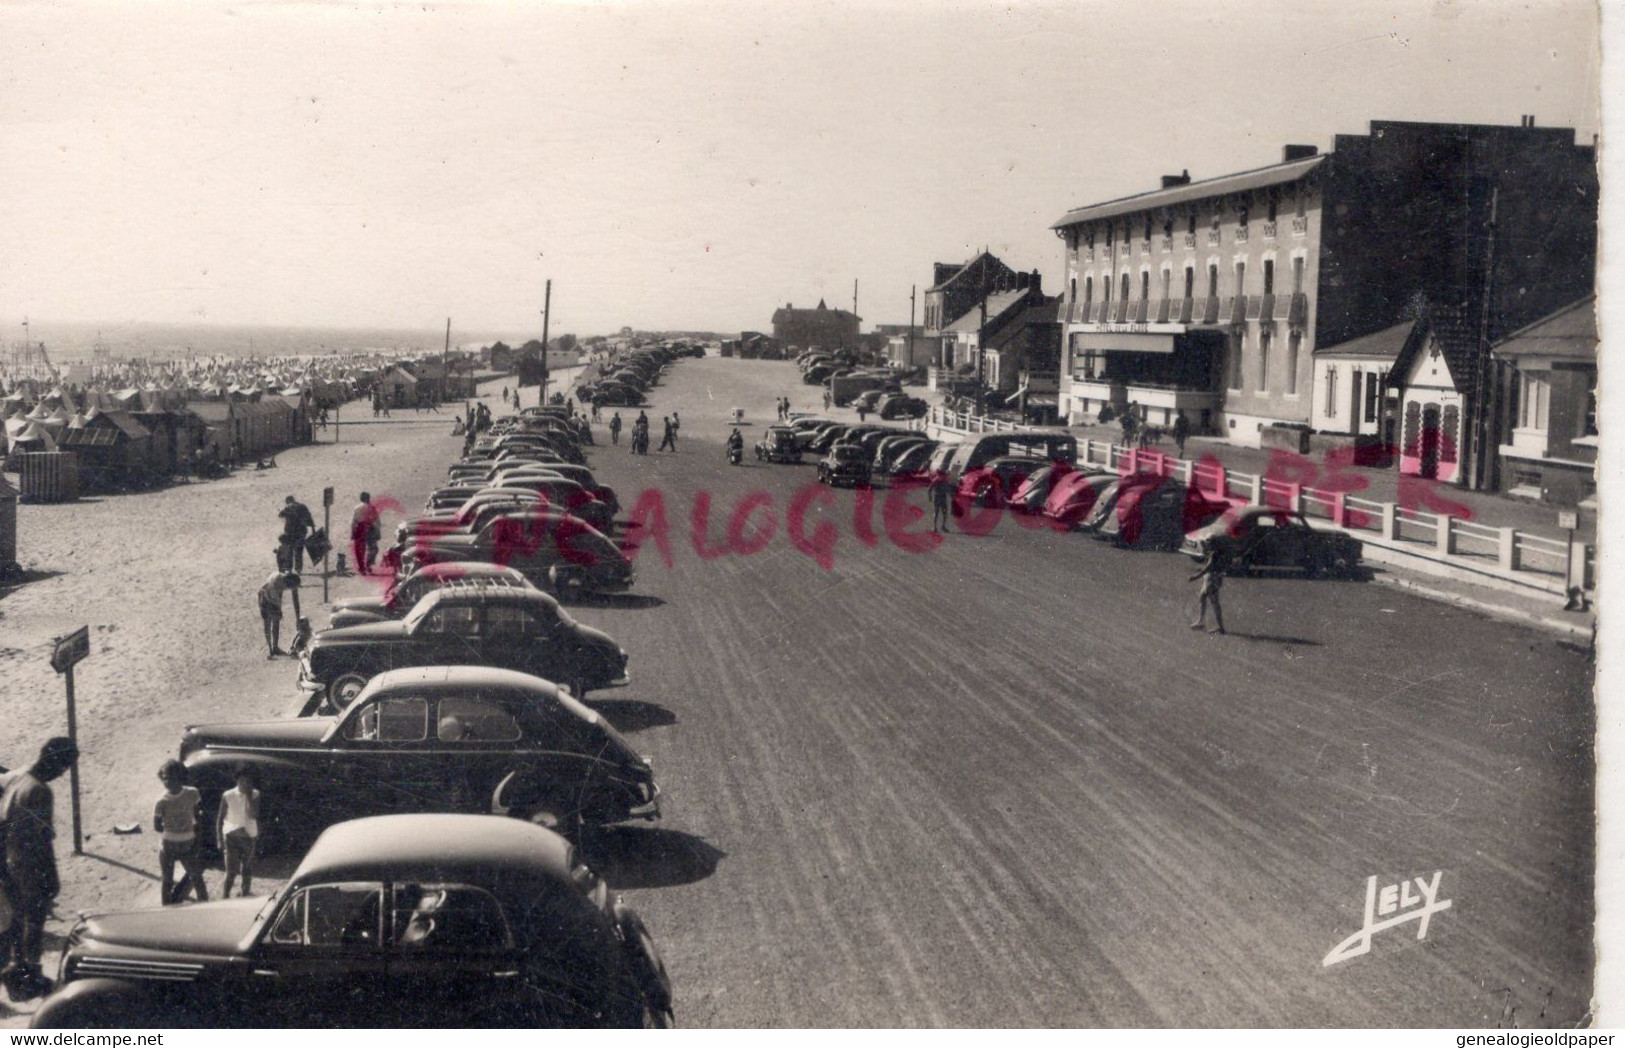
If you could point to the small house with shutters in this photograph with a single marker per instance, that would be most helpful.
(1435, 373)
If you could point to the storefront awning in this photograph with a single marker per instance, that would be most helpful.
(1110, 342)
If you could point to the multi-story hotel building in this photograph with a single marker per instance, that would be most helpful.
(1212, 297)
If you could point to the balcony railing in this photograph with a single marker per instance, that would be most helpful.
(1120, 314)
(1180, 310)
(1103, 315)
(1298, 311)
(1167, 243)
(1213, 238)
(1137, 311)
(1208, 309)
(1190, 241)
(1269, 230)
(1241, 234)
(1087, 254)
(1145, 246)
(1266, 309)
(1160, 308)
(1235, 311)
(1300, 225)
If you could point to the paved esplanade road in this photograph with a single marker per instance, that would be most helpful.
(1001, 783)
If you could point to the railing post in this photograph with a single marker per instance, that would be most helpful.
(1221, 482)
(1446, 534)
(1187, 471)
(1255, 490)
(1390, 522)
(1506, 548)
(1294, 497)
(1340, 509)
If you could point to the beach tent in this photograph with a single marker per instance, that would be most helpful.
(29, 436)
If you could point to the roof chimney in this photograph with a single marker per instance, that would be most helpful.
(1291, 153)
(1181, 179)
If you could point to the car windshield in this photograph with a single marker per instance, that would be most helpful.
(848, 453)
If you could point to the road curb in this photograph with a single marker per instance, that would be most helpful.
(1499, 611)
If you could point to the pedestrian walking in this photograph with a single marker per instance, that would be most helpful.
(1182, 432)
(28, 870)
(270, 601)
(364, 534)
(595, 411)
(297, 524)
(174, 816)
(1211, 574)
(668, 438)
(826, 400)
(614, 427)
(942, 495)
(237, 829)
(1130, 423)
(863, 412)
(505, 394)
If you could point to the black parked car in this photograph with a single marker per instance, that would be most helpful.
(845, 464)
(554, 550)
(404, 593)
(430, 738)
(402, 920)
(511, 627)
(1266, 537)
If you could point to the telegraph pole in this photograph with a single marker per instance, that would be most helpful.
(547, 309)
(911, 289)
(444, 353)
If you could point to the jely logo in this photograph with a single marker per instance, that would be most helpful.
(1410, 900)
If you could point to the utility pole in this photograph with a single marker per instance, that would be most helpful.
(911, 289)
(1482, 391)
(547, 308)
(445, 352)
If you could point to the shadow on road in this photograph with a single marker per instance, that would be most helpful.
(630, 715)
(1275, 639)
(646, 857)
(9, 584)
(629, 601)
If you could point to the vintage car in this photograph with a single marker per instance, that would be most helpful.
(845, 464)
(480, 508)
(778, 444)
(402, 594)
(429, 738)
(993, 483)
(616, 394)
(1155, 512)
(1267, 537)
(913, 461)
(513, 627)
(1072, 498)
(1031, 494)
(398, 920)
(565, 494)
(556, 551)
(901, 405)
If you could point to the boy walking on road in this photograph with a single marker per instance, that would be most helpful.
(1212, 575)
(942, 493)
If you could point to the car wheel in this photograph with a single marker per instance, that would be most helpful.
(344, 689)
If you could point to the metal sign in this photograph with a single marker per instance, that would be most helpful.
(1568, 518)
(71, 649)
(327, 496)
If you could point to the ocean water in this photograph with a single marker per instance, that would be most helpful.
(68, 342)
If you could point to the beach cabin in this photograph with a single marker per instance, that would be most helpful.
(8, 529)
(398, 388)
(114, 452)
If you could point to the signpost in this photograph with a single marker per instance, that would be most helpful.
(68, 652)
(1569, 521)
(327, 528)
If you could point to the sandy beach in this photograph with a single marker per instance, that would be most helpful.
(166, 581)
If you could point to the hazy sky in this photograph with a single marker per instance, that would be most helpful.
(669, 164)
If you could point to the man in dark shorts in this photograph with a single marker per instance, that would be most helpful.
(28, 866)
(270, 600)
(297, 524)
(1212, 575)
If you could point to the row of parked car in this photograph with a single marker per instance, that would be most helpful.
(447, 713)
(1037, 473)
(627, 384)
